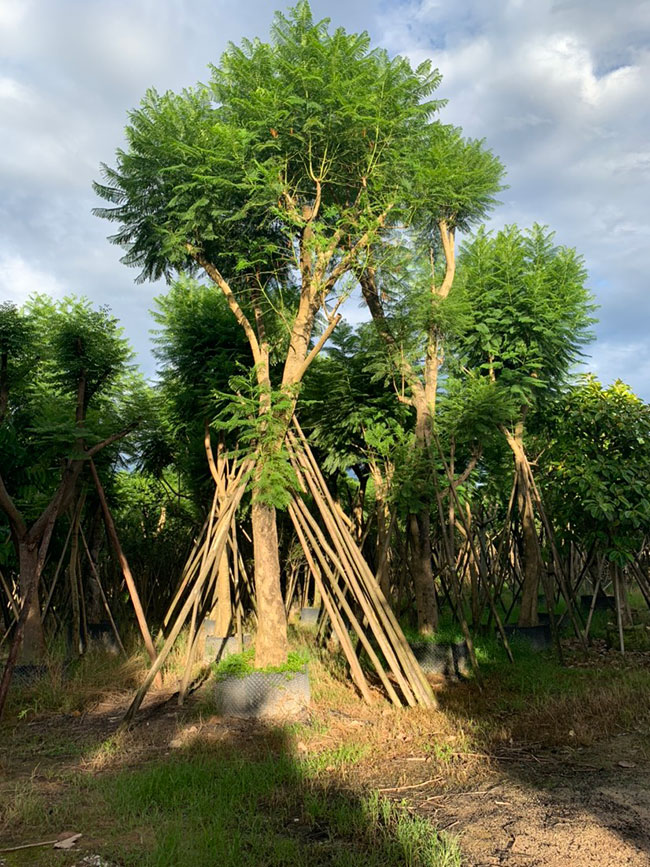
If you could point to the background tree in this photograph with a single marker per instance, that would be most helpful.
(356, 425)
(454, 183)
(529, 316)
(598, 468)
(72, 404)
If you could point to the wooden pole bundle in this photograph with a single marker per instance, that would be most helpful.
(213, 549)
(342, 563)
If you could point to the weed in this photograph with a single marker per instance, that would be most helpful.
(241, 664)
(336, 758)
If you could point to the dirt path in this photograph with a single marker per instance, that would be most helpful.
(551, 811)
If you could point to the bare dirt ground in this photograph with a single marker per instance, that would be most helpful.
(550, 810)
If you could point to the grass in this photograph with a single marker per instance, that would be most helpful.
(73, 688)
(233, 810)
(539, 701)
(300, 794)
(241, 664)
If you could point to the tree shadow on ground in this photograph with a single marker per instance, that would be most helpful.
(241, 797)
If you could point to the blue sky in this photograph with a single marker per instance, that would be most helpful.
(559, 90)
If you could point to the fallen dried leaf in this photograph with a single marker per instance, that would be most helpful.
(67, 841)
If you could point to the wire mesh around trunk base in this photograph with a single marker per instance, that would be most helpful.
(263, 694)
(450, 660)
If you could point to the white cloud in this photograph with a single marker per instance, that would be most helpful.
(19, 279)
(13, 91)
(557, 87)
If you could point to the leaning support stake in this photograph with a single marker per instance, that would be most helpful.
(128, 577)
(343, 553)
(220, 536)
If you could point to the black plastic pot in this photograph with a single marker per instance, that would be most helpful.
(217, 648)
(208, 626)
(603, 602)
(309, 616)
(27, 674)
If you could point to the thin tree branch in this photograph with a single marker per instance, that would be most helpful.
(319, 344)
(11, 510)
(448, 245)
(215, 275)
(91, 452)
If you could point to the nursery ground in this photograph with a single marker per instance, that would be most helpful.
(539, 765)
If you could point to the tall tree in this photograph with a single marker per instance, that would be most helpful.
(356, 424)
(454, 183)
(62, 363)
(271, 180)
(598, 468)
(530, 314)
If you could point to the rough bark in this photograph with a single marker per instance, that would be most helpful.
(222, 612)
(271, 647)
(32, 649)
(420, 525)
(531, 559)
(126, 571)
(421, 568)
(319, 275)
(383, 527)
(531, 554)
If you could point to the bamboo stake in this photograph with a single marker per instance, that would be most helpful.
(126, 571)
(339, 628)
(220, 536)
(10, 598)
(358, 571)
(391, 628)
(592, 607)
(556, 558)
(193, 561)
(101, 591)
(346, 569)
(619, 608)
(470, 543)
(337, 622)
(56, 573)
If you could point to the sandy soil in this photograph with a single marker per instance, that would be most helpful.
(546, 810)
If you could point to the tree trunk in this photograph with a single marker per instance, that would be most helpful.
(422, 570)
(271, 646)
(532, 561)
(33, 644)
(419, 526)
(383, 527)
(223, 609)
(531, 555)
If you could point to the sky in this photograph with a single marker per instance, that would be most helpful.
(559, 90)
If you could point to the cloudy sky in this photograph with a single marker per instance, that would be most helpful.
(560, 91)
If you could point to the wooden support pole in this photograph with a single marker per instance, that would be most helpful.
(101, 592)
(229, 507)
(337, 622)
(126, 571)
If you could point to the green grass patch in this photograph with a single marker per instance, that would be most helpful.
(233, 812)
(225, 808)
(241, 664)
